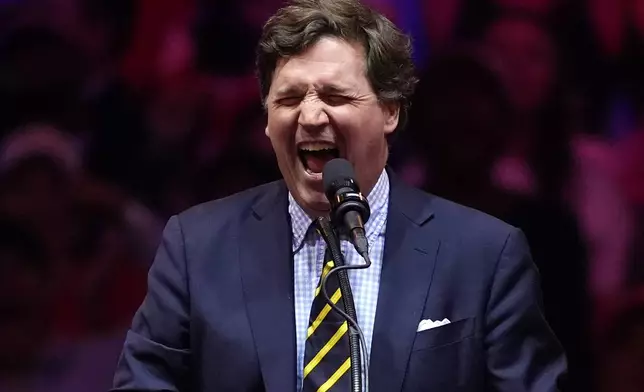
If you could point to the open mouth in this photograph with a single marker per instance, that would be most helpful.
(314, 158)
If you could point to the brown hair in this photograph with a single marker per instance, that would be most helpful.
(294, 28)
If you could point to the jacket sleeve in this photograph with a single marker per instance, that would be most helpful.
(523, 354)
(156, 352)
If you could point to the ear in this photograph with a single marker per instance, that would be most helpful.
(391, 112)
(266, 132)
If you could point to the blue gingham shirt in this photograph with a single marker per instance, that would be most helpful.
(308, 255)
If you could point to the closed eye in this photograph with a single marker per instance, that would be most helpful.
(336, 99)
(289, 101)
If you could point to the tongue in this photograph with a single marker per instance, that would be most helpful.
(315, 162)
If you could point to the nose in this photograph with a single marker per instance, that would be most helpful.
(312, 114)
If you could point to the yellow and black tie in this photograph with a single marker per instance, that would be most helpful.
(326, 353)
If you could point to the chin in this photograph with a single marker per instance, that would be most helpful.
(312, 200)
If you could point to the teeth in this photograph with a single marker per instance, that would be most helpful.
(317, 146)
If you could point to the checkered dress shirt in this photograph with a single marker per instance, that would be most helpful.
(308, 256)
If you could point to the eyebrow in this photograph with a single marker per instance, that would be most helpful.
(325, 89)
(288, 90)
(333, 89)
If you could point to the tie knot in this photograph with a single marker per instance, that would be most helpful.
(323, 226)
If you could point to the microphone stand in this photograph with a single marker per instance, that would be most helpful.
(333, 243)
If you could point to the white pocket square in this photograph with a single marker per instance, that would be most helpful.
(429, 324)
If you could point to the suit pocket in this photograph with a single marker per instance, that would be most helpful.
(450, 360)
(444, 335)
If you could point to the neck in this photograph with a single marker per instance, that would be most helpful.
(366, 192)
(366, 186)
(369, 185)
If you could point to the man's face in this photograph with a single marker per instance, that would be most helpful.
(321, 106)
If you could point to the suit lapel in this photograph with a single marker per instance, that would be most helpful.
(408, 266)
(267, 278)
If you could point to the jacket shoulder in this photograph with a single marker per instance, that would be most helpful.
(455, 220)
(463, 219)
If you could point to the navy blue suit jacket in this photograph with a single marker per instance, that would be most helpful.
(219, 312)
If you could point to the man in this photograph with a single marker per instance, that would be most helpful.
(232, 293)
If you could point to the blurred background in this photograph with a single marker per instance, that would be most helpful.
(116, 114)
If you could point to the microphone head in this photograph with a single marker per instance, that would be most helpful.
(337, 174)
(342, 190)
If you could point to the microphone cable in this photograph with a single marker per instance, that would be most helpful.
(328, 233)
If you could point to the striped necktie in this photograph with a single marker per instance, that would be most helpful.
(326, 353)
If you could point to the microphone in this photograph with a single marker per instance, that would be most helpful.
(349, 209)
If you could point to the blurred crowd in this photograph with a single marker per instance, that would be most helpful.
(116, 114)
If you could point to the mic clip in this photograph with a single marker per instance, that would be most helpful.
(345, 202)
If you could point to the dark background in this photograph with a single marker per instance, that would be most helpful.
(116, 114)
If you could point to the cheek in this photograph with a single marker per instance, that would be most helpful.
(358, 124)
(281, 128)
(365, 139)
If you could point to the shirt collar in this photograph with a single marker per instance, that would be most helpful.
(378, 200)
